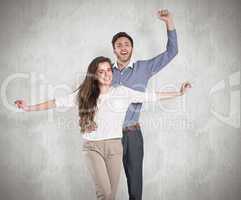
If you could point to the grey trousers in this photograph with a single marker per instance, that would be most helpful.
(133, 153)
(104, 161)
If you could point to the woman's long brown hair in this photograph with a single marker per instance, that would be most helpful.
(88, 94)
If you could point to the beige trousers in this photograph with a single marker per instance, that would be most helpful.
(104, 160)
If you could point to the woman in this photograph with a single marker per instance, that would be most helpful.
(103, 106)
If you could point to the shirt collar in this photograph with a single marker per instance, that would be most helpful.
(130, 64)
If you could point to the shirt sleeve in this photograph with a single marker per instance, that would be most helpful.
(155, 64)
(135, 96)
(66, 101)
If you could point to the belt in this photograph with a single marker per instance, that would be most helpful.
(132, 127)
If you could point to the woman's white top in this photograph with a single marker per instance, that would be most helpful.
(111, 110)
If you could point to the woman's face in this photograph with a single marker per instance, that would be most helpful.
(104, 73)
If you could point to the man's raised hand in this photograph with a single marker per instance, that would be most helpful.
(166, 16)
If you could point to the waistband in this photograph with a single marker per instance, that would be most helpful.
(133, 127)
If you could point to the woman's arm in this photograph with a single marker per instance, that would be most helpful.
(21, 104)
(64, 101)
(168, 95)
(134, 96)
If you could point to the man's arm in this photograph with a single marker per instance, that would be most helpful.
(155, 64)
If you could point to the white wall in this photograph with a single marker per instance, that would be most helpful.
(192, 144)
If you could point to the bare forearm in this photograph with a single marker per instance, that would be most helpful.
(168, 95)
(42, 106)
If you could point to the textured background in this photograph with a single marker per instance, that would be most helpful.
(192, 144)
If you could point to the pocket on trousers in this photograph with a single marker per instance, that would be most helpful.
(115, 148)
(88, 145)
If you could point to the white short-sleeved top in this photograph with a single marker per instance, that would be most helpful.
(111, 110)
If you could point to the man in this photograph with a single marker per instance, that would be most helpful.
(135, 75)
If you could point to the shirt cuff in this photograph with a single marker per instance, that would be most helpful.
(60, 102)
(152, 97)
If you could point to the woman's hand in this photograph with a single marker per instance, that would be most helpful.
(21, 104)
(185, 86)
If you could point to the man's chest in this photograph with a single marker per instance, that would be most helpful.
(130, 78)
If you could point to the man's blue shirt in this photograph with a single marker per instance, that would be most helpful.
(136, 76)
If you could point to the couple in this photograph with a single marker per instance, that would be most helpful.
(109, 102)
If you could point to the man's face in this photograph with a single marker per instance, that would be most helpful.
(123, 49)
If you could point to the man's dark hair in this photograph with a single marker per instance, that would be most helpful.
(121, 34)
